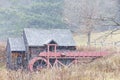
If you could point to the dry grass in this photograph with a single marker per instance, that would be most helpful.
(2, 54)
(106, 68)
(81, 40)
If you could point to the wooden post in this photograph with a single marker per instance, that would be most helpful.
(75, 61)
(10, 59)
(55, 48)
(48, 46)
(27, 54)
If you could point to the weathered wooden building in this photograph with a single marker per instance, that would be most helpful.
(34, 41)
(15, 52)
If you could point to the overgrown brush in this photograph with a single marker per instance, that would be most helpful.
(106, 68)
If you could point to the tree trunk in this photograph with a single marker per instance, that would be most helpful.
(88, 38)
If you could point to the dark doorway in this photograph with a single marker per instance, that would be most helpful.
(51, 46)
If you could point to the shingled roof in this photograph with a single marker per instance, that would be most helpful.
(40, 37)
(16, 44)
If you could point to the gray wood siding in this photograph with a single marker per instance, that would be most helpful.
(27, 47)
(8, 54)
(35, 51)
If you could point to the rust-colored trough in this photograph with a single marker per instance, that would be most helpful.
(49, 59)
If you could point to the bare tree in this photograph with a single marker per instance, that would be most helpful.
(88, 14)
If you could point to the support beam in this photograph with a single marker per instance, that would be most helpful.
(48, 46)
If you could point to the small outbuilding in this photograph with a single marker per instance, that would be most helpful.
(15, 52)
(34, 41)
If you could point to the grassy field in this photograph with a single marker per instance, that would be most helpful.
(105, 68)
(98, 37)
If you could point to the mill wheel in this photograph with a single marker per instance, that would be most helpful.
(37, 63)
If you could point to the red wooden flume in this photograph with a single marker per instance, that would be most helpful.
(62, 58)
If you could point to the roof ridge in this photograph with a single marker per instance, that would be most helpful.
(47, 29)
(38, 37)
